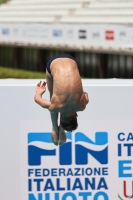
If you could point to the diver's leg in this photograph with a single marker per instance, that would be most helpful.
(62, 136)
(54, 116)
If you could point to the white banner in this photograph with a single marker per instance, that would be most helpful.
(86, 35)
(94, 164)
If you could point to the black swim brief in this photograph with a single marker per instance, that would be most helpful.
(58, 56)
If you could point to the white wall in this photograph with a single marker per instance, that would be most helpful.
(109, 100)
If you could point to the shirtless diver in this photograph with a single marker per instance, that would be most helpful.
(66, 95)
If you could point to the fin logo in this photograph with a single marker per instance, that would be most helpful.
(83, 146)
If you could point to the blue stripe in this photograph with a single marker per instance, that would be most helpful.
(101, 138)
(40, 137)
(69, 135)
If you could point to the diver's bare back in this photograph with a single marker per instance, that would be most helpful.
(67, 86)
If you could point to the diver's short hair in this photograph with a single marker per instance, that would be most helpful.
(70, 124)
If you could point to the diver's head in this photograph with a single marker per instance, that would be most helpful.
(69, 121)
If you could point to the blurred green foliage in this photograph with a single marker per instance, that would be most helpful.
(21, 74)
(3, 1)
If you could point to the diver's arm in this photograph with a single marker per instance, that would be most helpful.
(86, 97)
(40, 89)
(42, 102)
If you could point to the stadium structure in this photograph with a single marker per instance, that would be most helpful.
(98, 33)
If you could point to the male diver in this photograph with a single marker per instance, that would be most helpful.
(66, 95)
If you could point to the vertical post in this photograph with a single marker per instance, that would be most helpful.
(132, 67)
(16, 57)
(41, 60)
(102, 65)
(125, 66)
(118, 68)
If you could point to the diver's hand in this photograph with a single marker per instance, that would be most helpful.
(41, 88)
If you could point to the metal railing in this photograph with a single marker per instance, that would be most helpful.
(90, 64)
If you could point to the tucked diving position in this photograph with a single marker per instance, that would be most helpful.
(66, 95)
